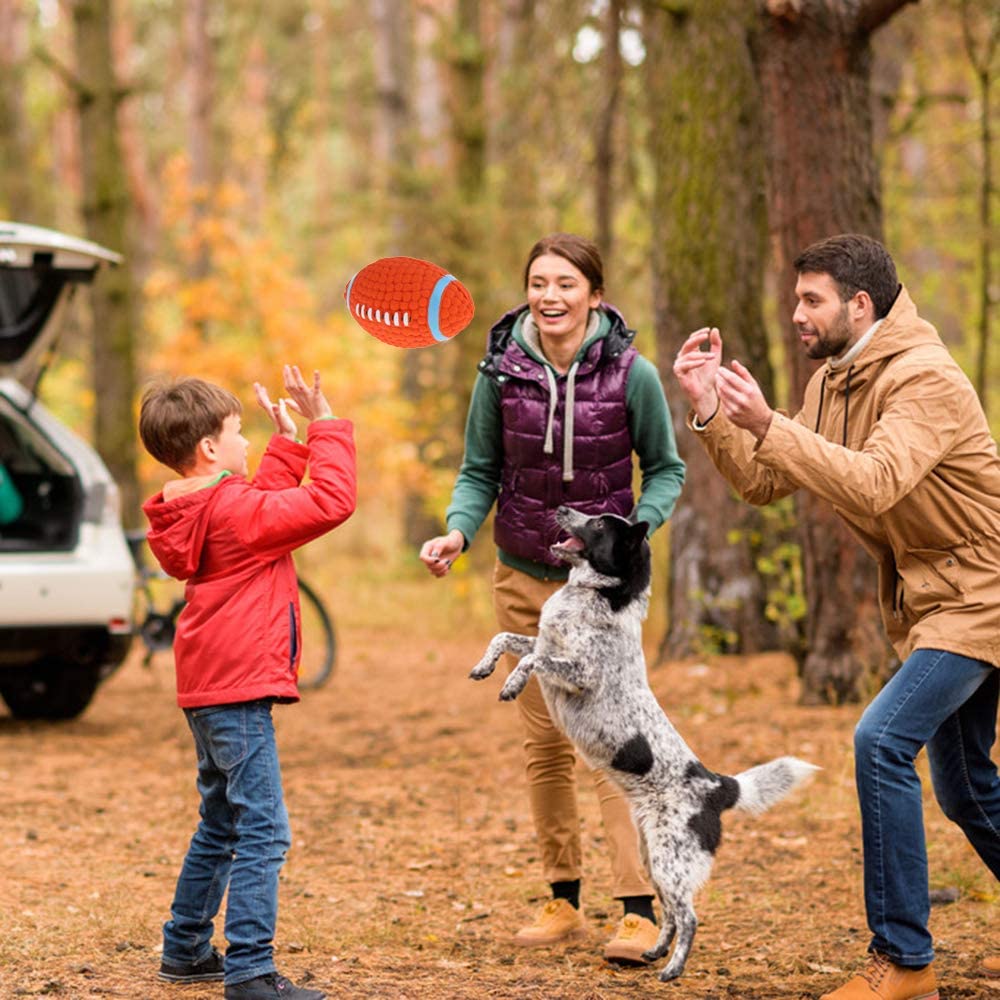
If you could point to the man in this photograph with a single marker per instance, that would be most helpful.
(891, 432)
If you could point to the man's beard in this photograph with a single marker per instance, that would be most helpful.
(834, 341)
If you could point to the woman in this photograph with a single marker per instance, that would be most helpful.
(561, 403)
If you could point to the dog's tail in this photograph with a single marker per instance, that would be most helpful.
(762, 786)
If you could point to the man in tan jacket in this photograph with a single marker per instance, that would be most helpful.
(892, 433)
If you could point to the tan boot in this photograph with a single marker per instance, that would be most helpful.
(881, 979)
(559, 921)
(634, 936)
(990, 967)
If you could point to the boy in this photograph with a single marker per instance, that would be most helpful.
(237, 648)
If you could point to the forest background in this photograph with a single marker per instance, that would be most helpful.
(247, 158)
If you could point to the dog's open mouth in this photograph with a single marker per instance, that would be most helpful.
(573, 544)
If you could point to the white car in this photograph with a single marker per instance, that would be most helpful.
(66, 573)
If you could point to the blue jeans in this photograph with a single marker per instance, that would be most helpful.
(948, 703)
(240, 842)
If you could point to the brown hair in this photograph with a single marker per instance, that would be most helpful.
(175, 416)
(580, 252)
(856, 263)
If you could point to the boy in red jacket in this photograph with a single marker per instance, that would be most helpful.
(237, 649)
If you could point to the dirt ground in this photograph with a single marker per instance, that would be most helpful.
(414, 858)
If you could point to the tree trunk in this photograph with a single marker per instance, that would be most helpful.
(16, 201)
(394, 161)
(199, 77)
(392, 145)
(442, 382)
(466, 255)
(144, 188)
(814, 60)
(467, 57)
(256, 83)
(708, 256)
(106, 213)
(516, 115)
(982, 46)
(604, 142)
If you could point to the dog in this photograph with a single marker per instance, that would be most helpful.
(589, 661)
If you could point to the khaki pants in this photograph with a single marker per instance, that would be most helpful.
(550, 761)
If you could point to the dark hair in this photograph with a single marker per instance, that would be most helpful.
(175, 416)
(856, 263)
(580, 252)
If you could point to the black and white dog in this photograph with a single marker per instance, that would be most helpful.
(589, 661)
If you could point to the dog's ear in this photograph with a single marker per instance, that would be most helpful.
(637, 533)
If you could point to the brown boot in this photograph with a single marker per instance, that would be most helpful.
(559, 921)
(881, 979)
(634, 936)
(990, 967)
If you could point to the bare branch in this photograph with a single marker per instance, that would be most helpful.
(922, 104)
(68, 77)
(873, 14)
(982, 61)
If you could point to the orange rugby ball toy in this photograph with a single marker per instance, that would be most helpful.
(409, 302)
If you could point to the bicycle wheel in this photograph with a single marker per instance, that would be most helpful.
(319, 640)
(157, 601)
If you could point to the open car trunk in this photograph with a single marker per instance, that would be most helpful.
(39, 270)
(42, 500)
(44, 496)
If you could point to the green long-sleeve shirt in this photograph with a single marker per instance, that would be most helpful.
(478, 482)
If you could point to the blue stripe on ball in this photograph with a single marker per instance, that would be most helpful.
(434, 307)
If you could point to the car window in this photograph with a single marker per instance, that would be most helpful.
(16, 291)
(23, 447)
(27, 297)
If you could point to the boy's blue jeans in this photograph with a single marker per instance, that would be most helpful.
(240, 842)
(948, 703)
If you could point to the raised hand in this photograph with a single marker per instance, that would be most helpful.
(695, 369)
(742, 401)
(305, 399)
(278, 412)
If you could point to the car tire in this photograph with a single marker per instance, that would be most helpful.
(52, 688)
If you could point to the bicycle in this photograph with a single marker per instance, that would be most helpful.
(158, 621)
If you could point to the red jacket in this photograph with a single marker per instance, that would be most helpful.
(238, 637)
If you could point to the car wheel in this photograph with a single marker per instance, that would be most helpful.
(52, 688)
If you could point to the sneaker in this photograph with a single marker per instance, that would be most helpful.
(208, 970)
(990, 967)
(559, 921)
(882, 979)
(635, 936)
(270, 987)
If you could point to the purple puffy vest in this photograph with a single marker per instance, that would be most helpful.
(532, 483)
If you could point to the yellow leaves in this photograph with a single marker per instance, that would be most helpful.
(202, 304)
(160, 283)
(67, 389)
(175, 206)
(228, 304)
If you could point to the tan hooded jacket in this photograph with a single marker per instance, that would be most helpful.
(899, 444)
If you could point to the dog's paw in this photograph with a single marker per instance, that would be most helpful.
(481, 670)
(510, 691)
(672, 971)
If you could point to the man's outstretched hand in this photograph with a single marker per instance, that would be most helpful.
(742, 401)
(695, 370)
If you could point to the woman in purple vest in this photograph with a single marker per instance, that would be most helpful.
(561, 404)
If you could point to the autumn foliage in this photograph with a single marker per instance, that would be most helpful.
(250, 312)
